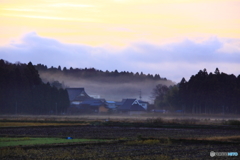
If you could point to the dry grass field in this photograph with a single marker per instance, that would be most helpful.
(167, 118)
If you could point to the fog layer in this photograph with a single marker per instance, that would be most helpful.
(109, 88)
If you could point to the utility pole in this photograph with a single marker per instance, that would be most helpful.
(16, 109)
(56, 108)
(140, 94)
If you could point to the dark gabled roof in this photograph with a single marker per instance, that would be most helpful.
(77, 94)
(74, 92)
(102, 100)
(120, 103)
(127, 105)
(137, 107)
(140, 101)
(93, 102)
(82, 98)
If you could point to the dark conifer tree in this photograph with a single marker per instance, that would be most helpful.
(23, 92)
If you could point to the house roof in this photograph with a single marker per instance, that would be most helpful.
(127, 105)
(137, 107)
(140, 101)
(93, 102)
(77, 94)
(74, 92)
(111, 102)
(120, 103)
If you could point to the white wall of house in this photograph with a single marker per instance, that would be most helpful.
(75, 102)
(95, 96)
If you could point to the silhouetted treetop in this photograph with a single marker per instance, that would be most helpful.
(22, 91)
(92, 72)
(204, 93)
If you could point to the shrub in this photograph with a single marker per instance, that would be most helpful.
(139, 137)
(155, 121)
(233, 122)
(151, 141)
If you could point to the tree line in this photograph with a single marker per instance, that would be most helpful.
(23, 92)
(90, 73)
(203, 93)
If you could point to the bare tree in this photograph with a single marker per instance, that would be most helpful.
(159, 91)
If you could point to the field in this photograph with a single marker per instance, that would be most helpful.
(108, 137)
(16, 141)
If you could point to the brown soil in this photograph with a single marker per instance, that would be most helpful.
(183, 143)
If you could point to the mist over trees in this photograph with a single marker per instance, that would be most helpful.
(23, 92)
(111, 85)
(89, 73)
(203, 93)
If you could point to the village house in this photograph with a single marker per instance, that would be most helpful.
(95, 105)
(81, 102)
(132, 106)
(111, 105)
(77, 96)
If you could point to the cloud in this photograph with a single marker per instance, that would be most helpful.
(172, 60)
(230, 46)
(70, 5)
(50, 17)
(25, 10)
(185, 51)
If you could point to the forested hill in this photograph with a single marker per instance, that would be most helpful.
(23, 92)
(112, 85)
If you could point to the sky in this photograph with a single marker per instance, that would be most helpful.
(174, 38)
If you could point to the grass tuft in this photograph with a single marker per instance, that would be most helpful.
(149, 141)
